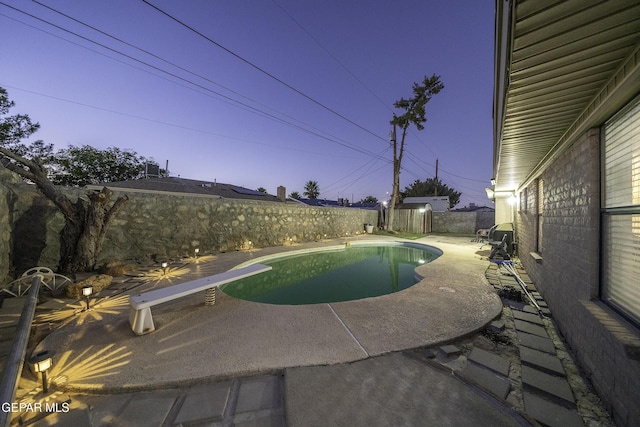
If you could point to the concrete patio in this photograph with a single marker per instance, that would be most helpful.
(97, 351)
(412, 358)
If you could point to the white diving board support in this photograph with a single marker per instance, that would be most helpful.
(140, 312)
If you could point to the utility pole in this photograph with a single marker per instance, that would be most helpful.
(435, 192)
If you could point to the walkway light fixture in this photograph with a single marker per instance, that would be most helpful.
(86, 292)
(164, 268)
(196, 251)
(41, 362)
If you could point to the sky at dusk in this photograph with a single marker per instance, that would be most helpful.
(260, 93)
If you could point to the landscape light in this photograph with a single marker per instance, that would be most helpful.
(164, 268)
(86, 292)
(196, 251)
(41, 362)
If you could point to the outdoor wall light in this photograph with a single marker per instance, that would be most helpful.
(86, 292)
(493, 182)
(164, 268)
(421, 210)
(491, 194)
(41, 362)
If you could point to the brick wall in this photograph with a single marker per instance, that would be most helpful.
(568, 274)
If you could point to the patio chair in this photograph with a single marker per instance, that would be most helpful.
(482, 235)
(499, 250)
(501, 240)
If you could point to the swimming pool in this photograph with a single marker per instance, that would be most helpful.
(334, 274)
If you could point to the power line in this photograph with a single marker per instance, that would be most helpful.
(411, 157)
(412, 132)
(162, 122)
(334, 185)
(246, 61)
(331, 138)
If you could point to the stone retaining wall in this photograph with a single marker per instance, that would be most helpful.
(6, 202)
(160, 226)
(461, 222)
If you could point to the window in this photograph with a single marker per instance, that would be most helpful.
(539, 214)
(523, 200)
(621, 211)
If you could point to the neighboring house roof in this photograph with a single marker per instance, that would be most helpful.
(320, 202)
(475, 209)
(190, 186)
(339, 203)
(561, 69)
(438, 203)
(367, 205)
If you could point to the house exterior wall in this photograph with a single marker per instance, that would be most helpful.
(504, 210)
(162, 226)
(566, 272)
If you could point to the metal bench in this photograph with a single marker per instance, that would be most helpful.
(140, 313)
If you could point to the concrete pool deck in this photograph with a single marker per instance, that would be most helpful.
(97, 351)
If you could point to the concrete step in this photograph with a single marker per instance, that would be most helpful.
(527, 317)
(536, 342)
(489, 360)
(541, 361)
(549, 413)
(553, 387)
(488, 380)
(530, 328)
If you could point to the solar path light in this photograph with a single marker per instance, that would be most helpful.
(41, 362)
(164, 268)
(86, 292)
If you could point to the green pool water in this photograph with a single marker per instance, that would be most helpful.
(351, 273)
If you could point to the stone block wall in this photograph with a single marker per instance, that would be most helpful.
(165, 225)
(161, 226)
(461, 222)
(567, 274)
(7, 199)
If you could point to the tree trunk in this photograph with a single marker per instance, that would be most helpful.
(397, 163)
(86, 221)
(82, 237)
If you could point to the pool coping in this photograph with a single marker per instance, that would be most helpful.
(264, 259)
(336, 248)
(234, 338)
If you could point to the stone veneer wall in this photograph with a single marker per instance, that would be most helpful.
(167, 225)
(461, 222)
(161, 225)
(568, 275)
(7, 199)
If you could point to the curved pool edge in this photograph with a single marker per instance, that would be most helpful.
(335, 248)
(237, 338)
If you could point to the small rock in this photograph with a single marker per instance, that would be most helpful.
(99, 282)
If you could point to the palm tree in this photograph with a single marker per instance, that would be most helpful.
(294, 195)
(311, 189)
